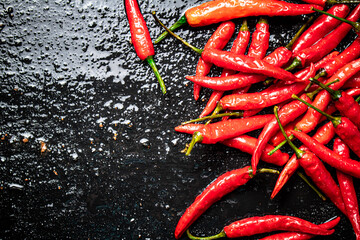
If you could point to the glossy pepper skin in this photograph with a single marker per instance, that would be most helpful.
(223, 185)
(347, 189)
(349, 133)
(301, 236)
(346, 165)
(321, 26)
(223, 10)
(260, 40)
(218, 40)
(245, 64)
(257, 225)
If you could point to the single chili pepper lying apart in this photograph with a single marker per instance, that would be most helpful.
(301, 236)
(218, 40)
(324, 45)
(270, 223)
(344, 128)
(321, 26)
(346, 165)
(223, 185)
(222, 10)
(220, 131)
(346, 104)
(316, 170)
(141, 39)
(323, 135)
(347, 189)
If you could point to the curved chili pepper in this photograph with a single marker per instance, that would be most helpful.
(245, 64)
(223, 185)
(140, 37)
(323, 135)
(347, 189)
(239, 47)
(353, 92)
(220, 131)
(247, 144)
(325, 45)
(260, 40)
(344, 128)
(287, 114)
(346, 104)
(270, 223)
(346, 165)
(218, 40)
(301, 236)
(353, 82)
(321, 26)
(223, 10)
(316, 170)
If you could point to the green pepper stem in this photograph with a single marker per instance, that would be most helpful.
(299, 153)
(218, 109)
(182, 21)
(355, 25)
(331, 2)
(321, 73)
(229, 114)
(335, 120)
(307, 181)
(219, 235)
(151, 62)
(296, 63)
(198, 50)
(267, 170)
(358, 99)
(312, 94)
(297, 35)
(244, 26)
(334, 94)
(291, 137)
(197, 137)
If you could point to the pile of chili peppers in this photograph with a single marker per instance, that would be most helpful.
(328, 86)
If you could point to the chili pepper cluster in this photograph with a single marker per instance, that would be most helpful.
(307, 81)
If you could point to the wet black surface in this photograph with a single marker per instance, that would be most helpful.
(88, 148)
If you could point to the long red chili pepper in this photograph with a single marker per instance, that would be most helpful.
(141, 39)
(287, 114)
(323, 135)
(325, 45)
(270, 223)
(223, 10)
(260, 40)
(344, 128)
(346, 104)
(301, 236)
(316, 170)
(321, 26)
(223, 185)
(347, 189)
(239, 47)
(218, 40)
(353, 82)
(220, 131)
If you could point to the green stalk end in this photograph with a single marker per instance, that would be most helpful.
(198, 50)
(334, 94)
(182, 21)
(151, 62)
(268, 170)
(229, 114)
(299, 153)
(219, 235)
(291, 137)
(298, 34)
(307, 181)
(358, 99)
(218, 109)
(244, 26)
(331, 2)
(296, 63)
(197, 137)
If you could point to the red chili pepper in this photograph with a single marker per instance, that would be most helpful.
(353, 92)
(270, 223)
(245, 64)
(323, 135)
(218, 40)
(346, 104)
(347, 189)
(239, 46)
(220, 131)
(222, 10)
(301, 236)
(141, 39)
(321, 26)
(316, 170)
(260, 40)
(287, 114)
(353, 82)
(325, 45)
(223, 185)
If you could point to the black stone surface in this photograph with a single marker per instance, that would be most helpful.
(111, 166)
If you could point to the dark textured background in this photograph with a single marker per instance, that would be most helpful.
(113, 168)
